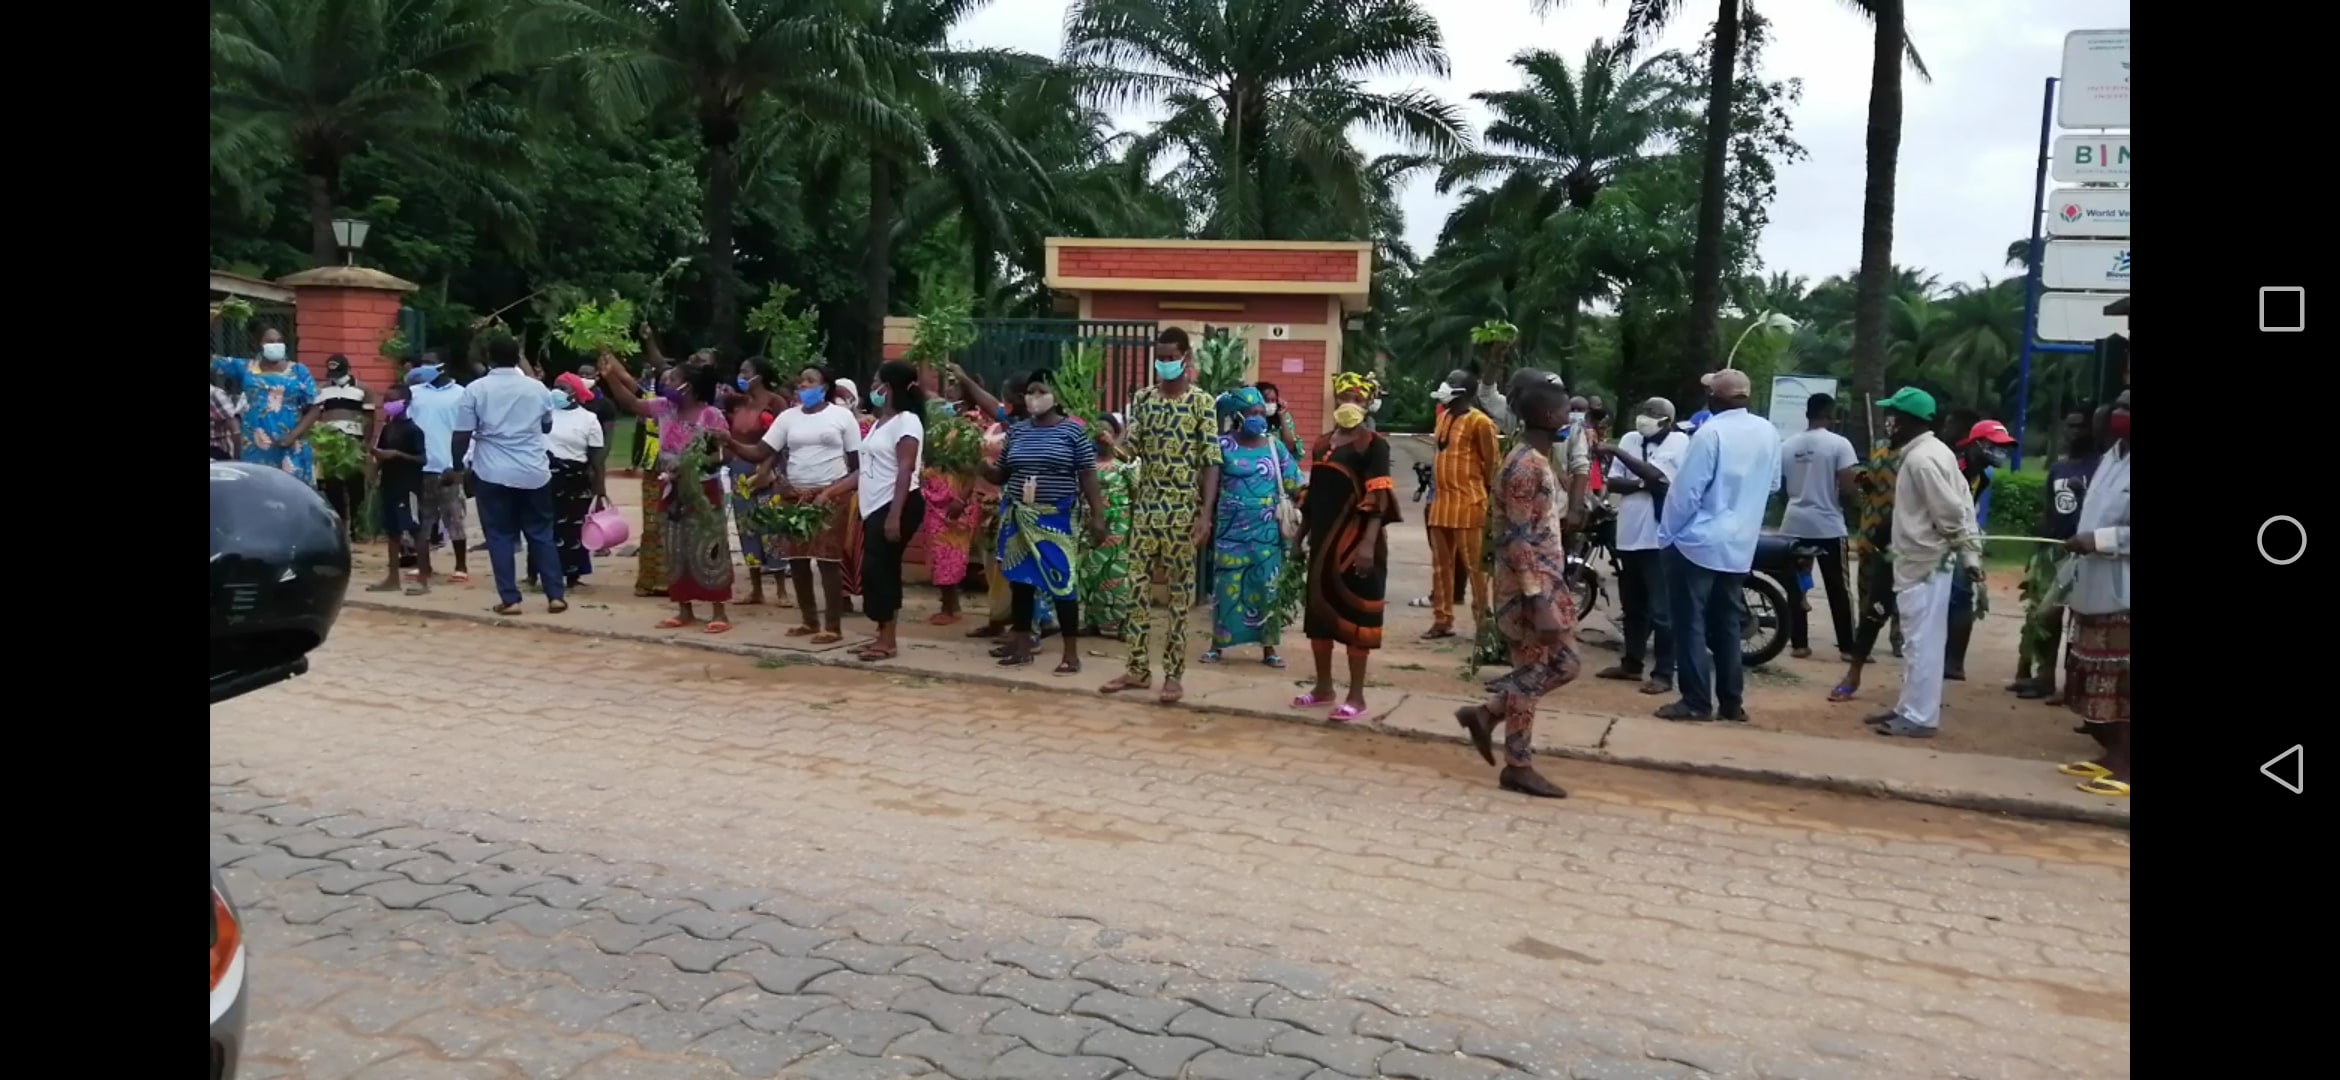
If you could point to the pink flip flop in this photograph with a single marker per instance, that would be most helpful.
(1346, 713)
(1309, 700)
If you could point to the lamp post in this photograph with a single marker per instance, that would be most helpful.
(350, 235)
(1769, 320)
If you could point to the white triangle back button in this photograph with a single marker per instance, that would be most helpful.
(2288, 768)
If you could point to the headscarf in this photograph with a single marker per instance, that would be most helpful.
(851, 392)
(1353, 382)
(1237, 401)
(575, 385)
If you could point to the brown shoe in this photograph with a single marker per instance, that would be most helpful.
(1528, 781)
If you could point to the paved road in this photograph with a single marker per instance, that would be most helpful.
(467, 852)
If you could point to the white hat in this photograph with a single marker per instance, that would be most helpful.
(851, 390)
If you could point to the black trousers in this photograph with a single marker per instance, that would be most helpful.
(1828, 574)
(881, 559)
(1877, 605)
(1641, 591)
(346, 497)
(1026, 600)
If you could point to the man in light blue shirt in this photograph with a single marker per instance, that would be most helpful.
(1712, 519)
(501, 426)
(433, 402)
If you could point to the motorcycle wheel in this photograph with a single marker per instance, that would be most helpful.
(1764, 634)
(1584, 589)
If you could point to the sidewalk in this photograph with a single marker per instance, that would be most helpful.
(1419, 702)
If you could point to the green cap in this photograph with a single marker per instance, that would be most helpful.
(1911, 400)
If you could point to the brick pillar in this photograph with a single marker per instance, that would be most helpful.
(349, 310)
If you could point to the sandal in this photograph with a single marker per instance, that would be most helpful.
(505, 609)
(942, 618)
(673, 622)
(460, 577)
(1844, 692)
(718, 627)
(556, 606)
(2105, 786)
(803, 631)
(1012, 660)
(1123, 684)
(1068, 667)
(1276, 662)
(382, 587)
(1211, 656)
(871, 656)
(1346, 713)
(2085, 770)
(987, 630)
(825, 637)
(1309, 700)
(1437, 632)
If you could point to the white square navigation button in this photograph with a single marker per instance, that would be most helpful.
(2282, 309)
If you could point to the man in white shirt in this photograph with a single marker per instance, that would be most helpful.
(1817, 466)
(1713, 515)
(1934, 536)
(1641, 468)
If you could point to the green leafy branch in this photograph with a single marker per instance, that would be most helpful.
(1221, 361)
(590, 329)
(954, 445)
(793, 340)
(944, 328)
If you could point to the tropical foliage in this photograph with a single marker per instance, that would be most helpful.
(849, 160)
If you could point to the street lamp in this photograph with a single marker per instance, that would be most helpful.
(350, 235)
(1769, 320)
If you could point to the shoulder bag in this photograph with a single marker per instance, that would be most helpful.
(1287, 515)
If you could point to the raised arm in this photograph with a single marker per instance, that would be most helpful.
(623, 390)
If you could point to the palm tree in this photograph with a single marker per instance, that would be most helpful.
(1975, 335)
(1574, 130)
(728, 65)
(1734, 23)
(1884, 139)
(324, 82)
(1262, 94)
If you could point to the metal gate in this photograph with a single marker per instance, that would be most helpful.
(1011, 349)
(241, 338)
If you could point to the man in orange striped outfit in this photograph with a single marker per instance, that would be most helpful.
(1462, 474)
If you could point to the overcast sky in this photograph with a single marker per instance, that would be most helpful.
(1969, 139)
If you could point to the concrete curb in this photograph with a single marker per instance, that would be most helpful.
(2035, 809)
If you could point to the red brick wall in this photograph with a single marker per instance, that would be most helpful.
(1257, 310)
(352, 322)
(1223, 264)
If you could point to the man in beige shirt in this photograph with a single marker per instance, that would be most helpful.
(1934, 536)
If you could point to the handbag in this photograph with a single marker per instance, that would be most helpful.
(1287, 515)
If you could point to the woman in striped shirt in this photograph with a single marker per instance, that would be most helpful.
(1048, 466)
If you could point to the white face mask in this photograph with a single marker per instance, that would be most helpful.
(1271, 408)
(1576, 418)
(272, 350)
(1039, 404)
(1375, 407)
(1648, 425)
(1446, 392)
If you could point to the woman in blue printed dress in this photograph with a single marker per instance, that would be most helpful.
(280, 404)
(1247, 550)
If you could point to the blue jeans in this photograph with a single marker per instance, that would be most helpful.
(508, 513)
(1707, 612)
(1961, 595)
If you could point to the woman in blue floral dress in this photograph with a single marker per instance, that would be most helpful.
(1247, 550)
(280, 404)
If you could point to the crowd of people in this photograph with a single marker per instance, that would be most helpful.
(1217, 497)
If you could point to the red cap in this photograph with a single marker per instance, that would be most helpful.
(575, 385)
(1989, 431)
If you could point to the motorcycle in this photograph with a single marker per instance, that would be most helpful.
(1764, 593)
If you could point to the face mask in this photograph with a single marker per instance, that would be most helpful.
(273, 350)
(1271, 408)
(1446, 392)
(1348, 415)
(670, 393)
(1576, 418)
(1039, 404)
(590, 382)
(812, 396)
(558, 400)
(1255, 426)
(1168, 370)
(1648, 425)
(877, 399)
(394, 409)
(1375, 407)
(2117, 425)
(742, 382)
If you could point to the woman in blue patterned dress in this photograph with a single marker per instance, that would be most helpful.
(1046, 472)
(280, 404)
(1247, 550)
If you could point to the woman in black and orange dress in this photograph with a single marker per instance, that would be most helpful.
(1350, 500)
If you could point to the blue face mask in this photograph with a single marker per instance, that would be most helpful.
(742, 383)
(1255, 426)
(877, 399)
(1167, 370)
(812, 396)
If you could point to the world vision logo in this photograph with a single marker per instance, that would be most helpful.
(2071, 212)
(2120, 265)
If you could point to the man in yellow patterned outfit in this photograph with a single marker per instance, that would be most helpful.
(1174, 431)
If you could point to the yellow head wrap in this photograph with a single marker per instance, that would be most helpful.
(1356, 382)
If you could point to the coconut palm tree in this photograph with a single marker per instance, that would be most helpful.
(322, 82)
(1262, 94)
(727, 65)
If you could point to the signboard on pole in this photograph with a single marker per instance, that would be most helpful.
(2088, 212)
(2094, 92)
(2102, 265)
(1788, 395)
(2090, 159)
(2078, 317)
